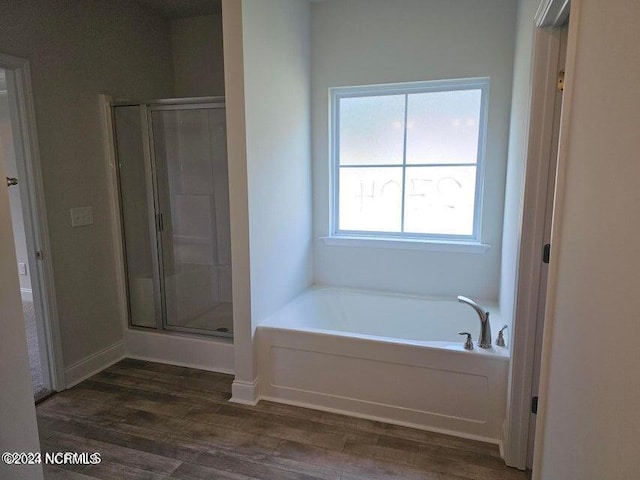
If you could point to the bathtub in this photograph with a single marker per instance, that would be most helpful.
(393, 358)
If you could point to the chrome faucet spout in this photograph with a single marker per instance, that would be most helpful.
(485, 327)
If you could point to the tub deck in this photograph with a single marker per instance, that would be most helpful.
(340, 351)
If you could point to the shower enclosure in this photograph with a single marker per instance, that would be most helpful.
(174, 197)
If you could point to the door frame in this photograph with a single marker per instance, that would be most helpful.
(23, 123)
(551, 16)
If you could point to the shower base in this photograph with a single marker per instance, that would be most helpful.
(218, 319)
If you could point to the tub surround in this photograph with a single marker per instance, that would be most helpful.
(393, 358)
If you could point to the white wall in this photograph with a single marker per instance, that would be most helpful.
(243, 329)
(589, 421)
(277, 109)
(8, 158)
(198, 62)
(77, 50)
(18, 429)
(517, 155)
(515, 450)
(266, 50)
(357, 42)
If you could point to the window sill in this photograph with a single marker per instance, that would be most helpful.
(406, 244)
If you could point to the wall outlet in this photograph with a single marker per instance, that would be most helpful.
(81, 216)
(22, 268)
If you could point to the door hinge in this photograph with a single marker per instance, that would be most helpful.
(534, 405)
(546, 253)
(561, 81)
(39, 255)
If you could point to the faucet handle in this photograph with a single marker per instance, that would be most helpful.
(500, 340)
(468, 344)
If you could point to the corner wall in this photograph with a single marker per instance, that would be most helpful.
(518, 426)
(362, 42)
(589, 420)
(267, 78)
(277, 108)
(517, 155)
(244, 387)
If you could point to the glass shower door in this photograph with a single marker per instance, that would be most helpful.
(193, 199)
(138, 215)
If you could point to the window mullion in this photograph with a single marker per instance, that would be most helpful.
(378, 218)
(404, 161)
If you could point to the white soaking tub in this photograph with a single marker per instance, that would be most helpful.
(393, 358)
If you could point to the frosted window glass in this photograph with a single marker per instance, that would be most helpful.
(371, 199)
(407, 158)
(443, 127)
(439, 200)
(372, 130)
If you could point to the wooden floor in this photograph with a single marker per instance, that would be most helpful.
(153, 421)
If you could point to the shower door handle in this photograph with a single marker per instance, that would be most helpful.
(160, 222)
(11, 181)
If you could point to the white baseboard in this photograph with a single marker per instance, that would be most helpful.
(503, 439)
(93, 364)
(26, 294)
(180, 364)
(245, 393)
(182, 350)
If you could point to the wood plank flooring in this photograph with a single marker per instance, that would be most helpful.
(152, 421)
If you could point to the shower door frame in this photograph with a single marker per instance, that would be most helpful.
(156, 216)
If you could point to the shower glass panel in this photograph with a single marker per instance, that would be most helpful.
(138, 215)
(193, 196)
(174, 196)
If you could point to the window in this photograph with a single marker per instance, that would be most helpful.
(408, 160)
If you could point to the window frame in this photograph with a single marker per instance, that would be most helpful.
(338, 93)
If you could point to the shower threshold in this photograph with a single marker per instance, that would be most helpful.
(218, 320)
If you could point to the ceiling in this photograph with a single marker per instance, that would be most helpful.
(183, 8)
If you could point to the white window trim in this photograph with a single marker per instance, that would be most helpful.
(405, 244)
(460, 243)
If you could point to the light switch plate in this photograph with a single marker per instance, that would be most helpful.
(81, 216)
(22, 268)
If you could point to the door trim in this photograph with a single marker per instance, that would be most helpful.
(551, 16)
(36, 230)
(539, 157)
(556, 229)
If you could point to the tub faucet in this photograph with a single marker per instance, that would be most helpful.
(485, 327)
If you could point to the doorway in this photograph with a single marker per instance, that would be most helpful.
(549, 61)
(37, 361)
(18, 159)
(548, 201)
